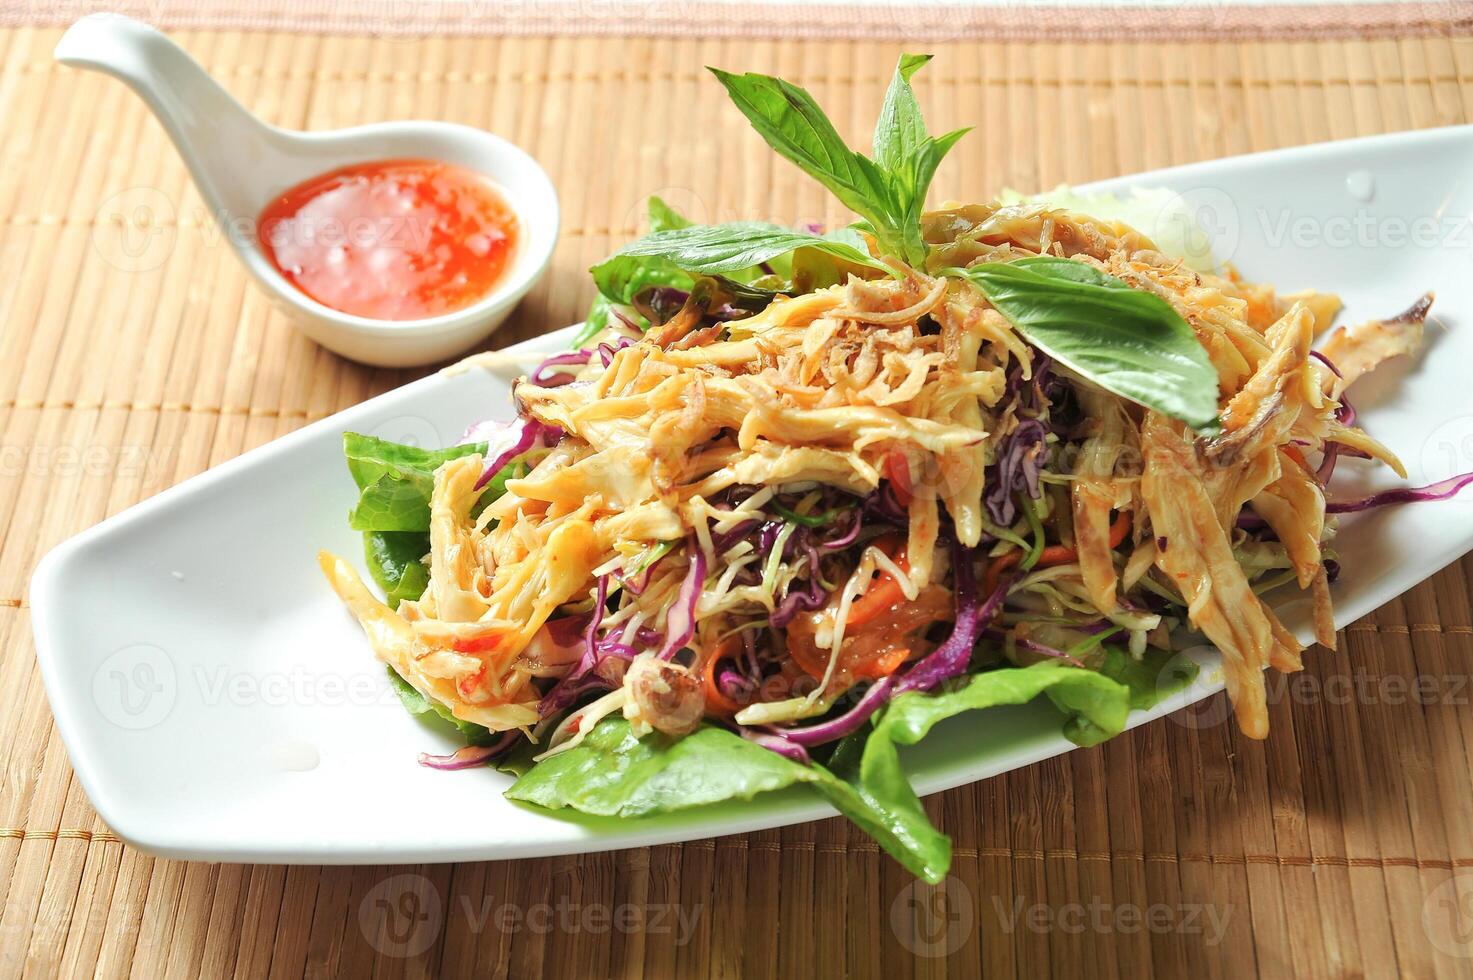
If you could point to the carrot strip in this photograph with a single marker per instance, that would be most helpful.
(718, 703)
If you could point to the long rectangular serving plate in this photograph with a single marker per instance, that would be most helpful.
(218, 703)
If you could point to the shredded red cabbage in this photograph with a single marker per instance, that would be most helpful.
(1441, 490)
(882, 505)
(567, 689)
(778, 744)
(1033, 646)
(470, 756)
(1019, 465)
(723, 541)
(680, 618)
(542, 379)
(836, 728)
(515, 439)
(635, 586)
(847, 538)
(799, 600)
(607, 351)
(951, 658)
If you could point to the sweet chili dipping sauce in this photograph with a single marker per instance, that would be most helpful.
(392, 240)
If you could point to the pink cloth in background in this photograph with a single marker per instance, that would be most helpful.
(896, 21)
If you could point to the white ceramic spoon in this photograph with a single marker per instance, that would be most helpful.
(240, 164)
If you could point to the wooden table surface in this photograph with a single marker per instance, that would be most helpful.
(134, 354)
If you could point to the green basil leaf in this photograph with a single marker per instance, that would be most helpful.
(619, 280)
(663, 217)
(900, 129)
(889, 191)
(622, 275)
(733, 247)
(1125, 340)
(792, 123)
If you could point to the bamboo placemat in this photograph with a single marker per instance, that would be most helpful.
(133, 354)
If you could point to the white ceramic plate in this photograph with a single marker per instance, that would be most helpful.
(218, 702)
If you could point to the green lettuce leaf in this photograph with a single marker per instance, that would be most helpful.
(394, 481)
(612, 773)
(1125, 340)
(1084, 696)
(395, 560)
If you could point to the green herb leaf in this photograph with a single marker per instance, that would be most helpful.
(395, 560)
(618, 282)
(612, 773)
(395, 481)
(900, 130)
(807, 520)
(792, 123)
(663, 217)
(1125, 340)
(733, 247)
(595, 322)
(623, 274)
(1079, 693)
(888, 191)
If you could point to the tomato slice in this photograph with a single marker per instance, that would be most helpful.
(883, 591)
(897, 468)
(878, 648)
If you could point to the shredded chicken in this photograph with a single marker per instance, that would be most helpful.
(653, 519)
(1356, 350)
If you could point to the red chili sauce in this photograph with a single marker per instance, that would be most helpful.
(392, 240)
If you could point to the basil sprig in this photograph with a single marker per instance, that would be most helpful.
(1127, 341)
(889, 190)
(731, 247)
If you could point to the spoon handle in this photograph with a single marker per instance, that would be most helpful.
(225, 147)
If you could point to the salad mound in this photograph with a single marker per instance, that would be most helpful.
(797, 497)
